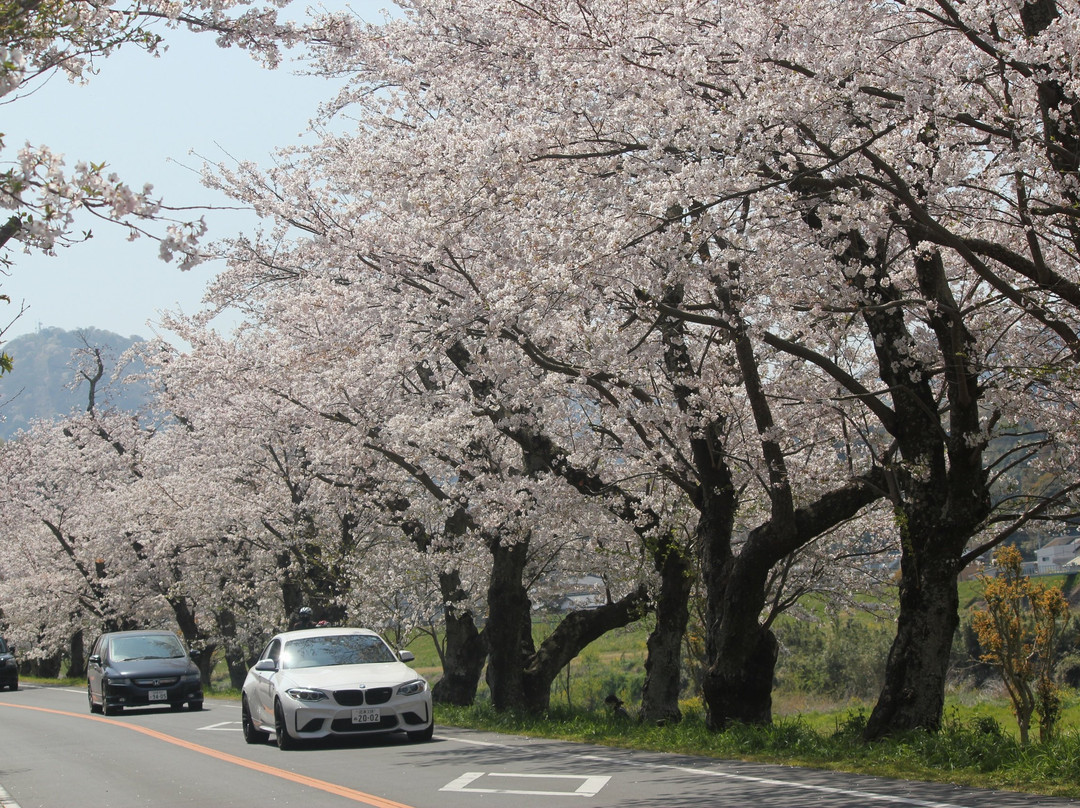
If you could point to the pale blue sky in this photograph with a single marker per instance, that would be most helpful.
(143, 116)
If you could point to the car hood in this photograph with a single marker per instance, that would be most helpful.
(335, 677)
(175, 666)
(4, 657)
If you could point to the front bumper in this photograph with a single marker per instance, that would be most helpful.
(328, 718)
(151, 692)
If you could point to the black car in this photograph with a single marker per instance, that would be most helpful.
(9, 667)
(139, 669)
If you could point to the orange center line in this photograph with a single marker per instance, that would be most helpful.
(311, 782)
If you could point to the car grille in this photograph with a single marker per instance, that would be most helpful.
(346, 725)
(161, 681)
(354, 698)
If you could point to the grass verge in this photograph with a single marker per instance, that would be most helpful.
(974, 752)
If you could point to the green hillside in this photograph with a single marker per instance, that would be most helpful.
(39, 385)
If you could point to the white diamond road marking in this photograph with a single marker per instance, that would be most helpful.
(589, 787)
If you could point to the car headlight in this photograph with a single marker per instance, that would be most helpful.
(117, 681)
(306, 694)
(191, 677)
(412, 688)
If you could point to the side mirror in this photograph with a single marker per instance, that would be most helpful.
(194, 653)
(266, 665)
(11, 649)
(95, 659)
(406, 656)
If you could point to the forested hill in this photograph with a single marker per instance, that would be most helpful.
(40, 386)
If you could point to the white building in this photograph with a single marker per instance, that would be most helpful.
(1056, 554)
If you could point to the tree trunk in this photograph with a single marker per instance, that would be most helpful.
(465, 650)
(77, 656)
(508, 634)
(663, 665)
(913, 696)
(194, 638)
(569, 639)
(742, 653)
(236, 658)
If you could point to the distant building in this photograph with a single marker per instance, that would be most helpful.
(1058, 555)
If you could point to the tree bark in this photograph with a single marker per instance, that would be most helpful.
(508, 633)
(913, 696)
(236, 660)
(569, 639)
(940, 493)
(77, 658)
(465, 649)
(663, 663)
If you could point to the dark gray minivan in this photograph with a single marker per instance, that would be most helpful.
(141, 669)
(9, 666)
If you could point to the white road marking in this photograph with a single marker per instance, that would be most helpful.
(747, 778)
(227, 726)
(589, 787)
(6, 800)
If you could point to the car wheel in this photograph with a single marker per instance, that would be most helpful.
(422, 734)
(94, 708)
(285, 741)
(194, 706)
(252, 734)
(113, 709)
(176, 705)
(15, 686)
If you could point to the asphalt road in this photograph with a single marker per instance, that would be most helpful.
(55, 754)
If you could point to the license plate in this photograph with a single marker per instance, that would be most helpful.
(366, 715)
(159, 695)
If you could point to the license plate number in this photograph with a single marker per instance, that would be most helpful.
(159, 695)
(365, 715)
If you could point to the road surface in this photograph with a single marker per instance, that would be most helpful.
(55, 754)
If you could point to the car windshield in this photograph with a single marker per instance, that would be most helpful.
(3, 646)
(335, 649)
(158, 646)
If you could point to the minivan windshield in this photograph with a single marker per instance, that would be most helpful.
(152, 646)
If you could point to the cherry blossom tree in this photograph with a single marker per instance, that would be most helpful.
(758, 182)
(686, 291)
(526, 308)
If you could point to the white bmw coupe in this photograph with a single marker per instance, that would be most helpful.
(319, 682)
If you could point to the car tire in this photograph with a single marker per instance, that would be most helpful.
(195, 706)
(15, 686)
(422, 735)
(252, 734)
(285, 741)
(176, 706)
(113, 709)
(94, 708)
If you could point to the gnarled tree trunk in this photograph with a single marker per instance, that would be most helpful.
(464, 650)
(663, 664)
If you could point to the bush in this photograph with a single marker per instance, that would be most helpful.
(843, 658)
